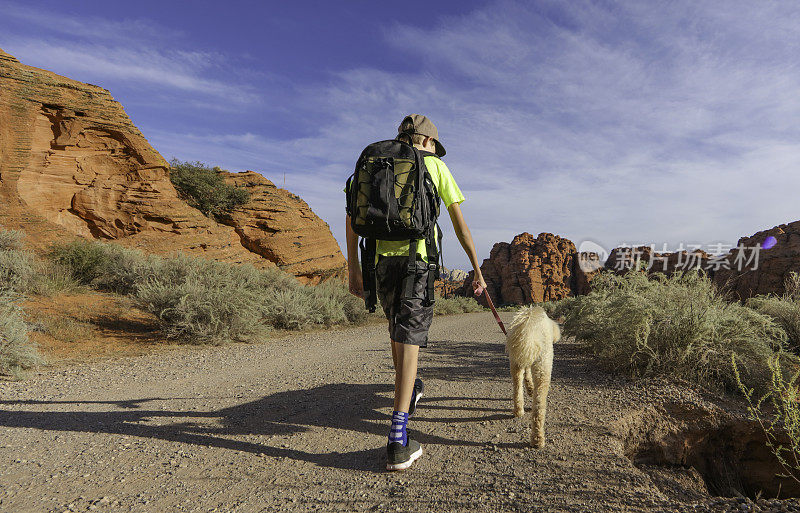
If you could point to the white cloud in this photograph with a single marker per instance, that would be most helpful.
(160, 69)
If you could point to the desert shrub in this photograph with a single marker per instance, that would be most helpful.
(85, 260)
(21, 272)
(559, 308)
(336, 296)
(52, 278)
(781, 426)
(202, 300)
(678, 326)
(784, 309)
(203, 188)
(105, 266)
(455, 305)
(17, 352)
(17, 271)
(11, 240)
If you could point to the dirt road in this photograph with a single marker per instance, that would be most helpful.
(300, 423)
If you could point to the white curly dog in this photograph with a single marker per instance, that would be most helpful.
(529, 345)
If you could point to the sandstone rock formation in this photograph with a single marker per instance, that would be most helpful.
(72, 163)
(532, 269)
(751, 272)
(281, 227)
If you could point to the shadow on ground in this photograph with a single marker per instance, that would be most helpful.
(343, 406)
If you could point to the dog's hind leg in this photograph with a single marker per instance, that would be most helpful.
(541, 376)
(529, 382)
(517, 375)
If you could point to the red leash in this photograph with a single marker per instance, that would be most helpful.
(480, 290)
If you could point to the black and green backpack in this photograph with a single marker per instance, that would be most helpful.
(391, 196)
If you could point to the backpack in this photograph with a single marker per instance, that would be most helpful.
(390, 196)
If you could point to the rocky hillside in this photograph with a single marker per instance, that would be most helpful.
(73, 164)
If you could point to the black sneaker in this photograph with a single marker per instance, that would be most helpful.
(400, 457)
(419, 387)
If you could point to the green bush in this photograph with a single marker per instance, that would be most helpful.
(17, 353)
(203, 188)
(455, 305)
(21, 272)
(85, 260)
(678, 326)
(105, 266)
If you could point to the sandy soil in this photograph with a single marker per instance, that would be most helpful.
(300, 423)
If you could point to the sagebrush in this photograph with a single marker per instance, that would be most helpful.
(202, 300)
(17, 353)
(677, 326)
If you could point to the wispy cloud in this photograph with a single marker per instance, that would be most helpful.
(111, 52)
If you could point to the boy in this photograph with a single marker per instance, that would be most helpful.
(409, 319)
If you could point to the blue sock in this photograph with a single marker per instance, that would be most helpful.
(397, 433)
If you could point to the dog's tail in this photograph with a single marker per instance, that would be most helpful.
(529, 330)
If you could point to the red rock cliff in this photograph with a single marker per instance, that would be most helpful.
(72, 163)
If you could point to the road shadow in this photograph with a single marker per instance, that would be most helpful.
(464, 361)
(354, 408)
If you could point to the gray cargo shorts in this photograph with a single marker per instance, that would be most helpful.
(409, 319)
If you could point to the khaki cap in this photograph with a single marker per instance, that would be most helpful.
(423, 126)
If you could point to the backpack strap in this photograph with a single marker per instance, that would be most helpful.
(368, 249)
(411, 270)
(433, 263)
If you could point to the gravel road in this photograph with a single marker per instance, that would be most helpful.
(300, 423)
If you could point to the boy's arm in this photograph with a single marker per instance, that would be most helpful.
(465, 238)
(356, 281)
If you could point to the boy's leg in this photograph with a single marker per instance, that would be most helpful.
(394, 355)
(405, 372)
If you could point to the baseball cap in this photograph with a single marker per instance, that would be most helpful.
(419, 124)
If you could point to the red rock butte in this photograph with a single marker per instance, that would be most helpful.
(73, 164)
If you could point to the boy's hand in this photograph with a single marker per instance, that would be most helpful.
(478, 285)
(356, 282)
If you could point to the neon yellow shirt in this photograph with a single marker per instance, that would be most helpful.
(448, 190)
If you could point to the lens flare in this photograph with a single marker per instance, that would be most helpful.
(769, 242)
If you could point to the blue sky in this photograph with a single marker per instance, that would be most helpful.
(616, 122)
